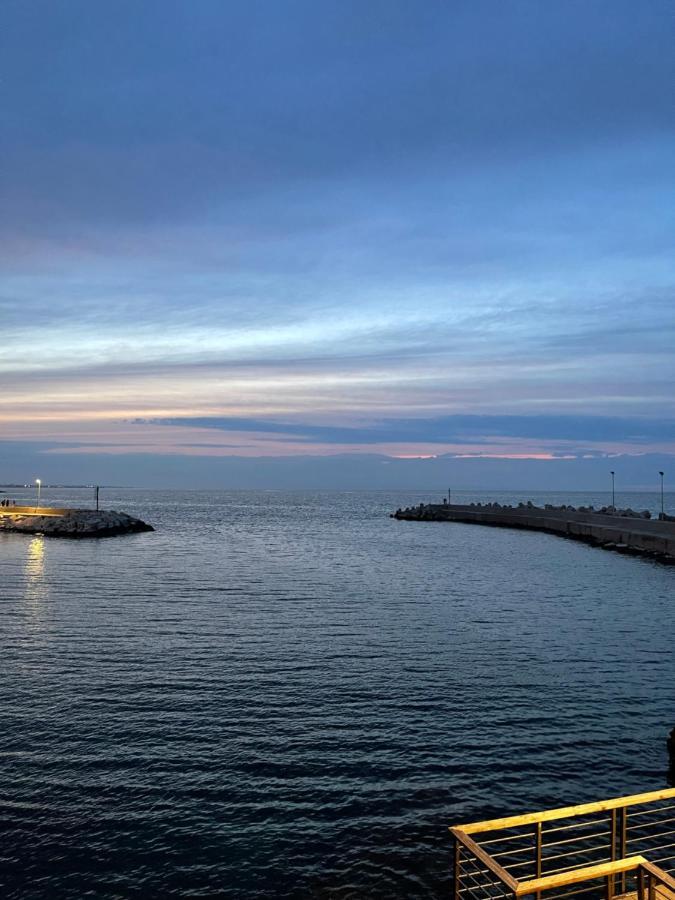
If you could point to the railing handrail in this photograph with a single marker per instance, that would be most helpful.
(562, 879)
(659, 873)
(485, 858)
(564, 812)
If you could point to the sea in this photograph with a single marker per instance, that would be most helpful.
(292, 695)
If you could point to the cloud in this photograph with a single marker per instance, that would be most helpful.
(156, 111)
(456, 429)
(23, 461)
(339, 222)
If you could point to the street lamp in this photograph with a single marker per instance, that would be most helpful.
(662, 509)
(612, 474)
(38, 482)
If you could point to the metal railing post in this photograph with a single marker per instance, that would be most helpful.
(622, 851)
(457, 869)
(537, 859)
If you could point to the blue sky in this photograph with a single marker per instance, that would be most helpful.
(315, 228)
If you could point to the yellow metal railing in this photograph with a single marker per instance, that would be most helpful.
(611, 848)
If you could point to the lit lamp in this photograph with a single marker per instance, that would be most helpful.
(38, 482)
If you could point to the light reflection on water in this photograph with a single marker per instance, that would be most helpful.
(35, 568)
(35, 602)
(293, 695)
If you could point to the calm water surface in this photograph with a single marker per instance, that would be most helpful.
(292, 695)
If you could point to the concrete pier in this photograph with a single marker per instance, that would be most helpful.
(632, 534)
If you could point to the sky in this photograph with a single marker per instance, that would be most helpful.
(335, 230)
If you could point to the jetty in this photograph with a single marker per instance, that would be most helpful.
(66, 522)
(617, 849)
(624, 531)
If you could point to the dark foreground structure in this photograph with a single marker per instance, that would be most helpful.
(74, 523)
(621, 530)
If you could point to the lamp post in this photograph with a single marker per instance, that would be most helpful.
(613, 504)
(38, 482)
(662, 509)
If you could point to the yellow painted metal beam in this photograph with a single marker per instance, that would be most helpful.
(566, 812)
(535, 885)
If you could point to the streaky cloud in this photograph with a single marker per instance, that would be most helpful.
(454, 429)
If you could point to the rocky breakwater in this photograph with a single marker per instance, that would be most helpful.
(622, 530)
(76, 523)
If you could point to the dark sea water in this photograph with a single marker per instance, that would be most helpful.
(292, 695)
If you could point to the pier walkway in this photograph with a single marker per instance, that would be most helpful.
(32, 511)
(626, 534)
(618, 849)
